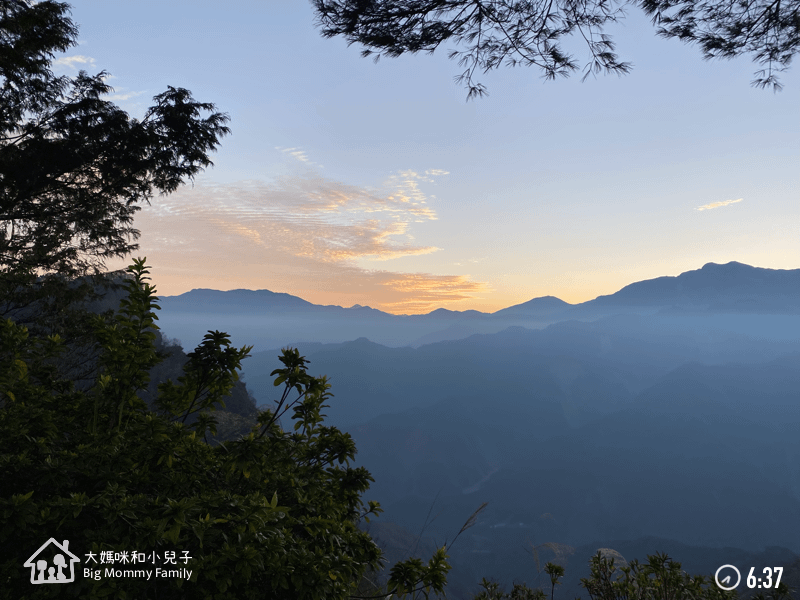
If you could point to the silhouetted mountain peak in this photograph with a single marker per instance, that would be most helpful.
(543, 305)
(549, 302)
(363, 309)
(730, 286)
(202, 299)
(363, 342)
(729, 266)
(446, 312)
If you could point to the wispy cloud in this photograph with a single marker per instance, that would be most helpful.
(75, 62)
(318, 218)
(121, 96)
(408, 196)
(303, 234)
(298, 154)
(294, 152)
(718, 204)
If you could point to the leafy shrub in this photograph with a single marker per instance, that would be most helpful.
(273, 514)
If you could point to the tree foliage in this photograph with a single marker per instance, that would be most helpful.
(660, 578)
(74, 167)
(491, 590)
(527, 32)
(767, 29)
(274, 514)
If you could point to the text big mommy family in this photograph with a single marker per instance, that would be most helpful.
(54, 563)
(136, 560)
(136, 573)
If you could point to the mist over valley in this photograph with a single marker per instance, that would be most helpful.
(664, 416)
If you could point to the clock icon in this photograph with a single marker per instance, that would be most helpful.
(724, 577)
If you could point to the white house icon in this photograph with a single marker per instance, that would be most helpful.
(42, 572)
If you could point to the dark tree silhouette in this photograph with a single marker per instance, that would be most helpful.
(527, 32)
(75, 168)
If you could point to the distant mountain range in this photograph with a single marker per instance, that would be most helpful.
(269, 319)
(663, 417)
(733, 286)
(580, 434)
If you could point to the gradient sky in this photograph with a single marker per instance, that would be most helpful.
(348, 182)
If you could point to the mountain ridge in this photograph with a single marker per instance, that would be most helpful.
(706, 285)
(695, 288)
(267, 319)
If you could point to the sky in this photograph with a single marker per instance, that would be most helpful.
(348, 182)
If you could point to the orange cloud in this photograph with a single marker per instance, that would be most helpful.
(300, 234)
(425, 292)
